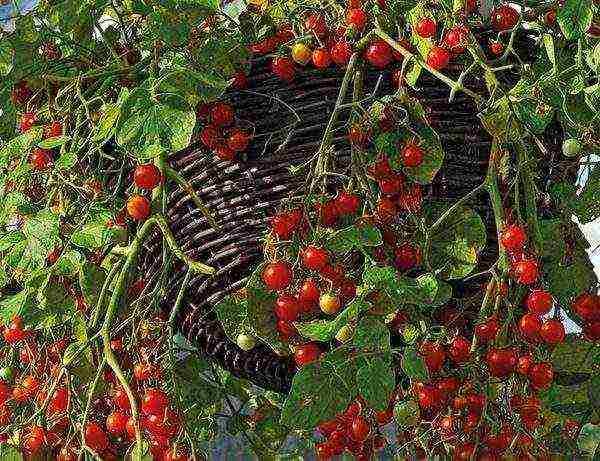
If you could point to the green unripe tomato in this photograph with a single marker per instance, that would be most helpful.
(246, 342)
(6, 374)
(571, 147)
(345, 334)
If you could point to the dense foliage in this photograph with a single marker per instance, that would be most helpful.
(359, 273)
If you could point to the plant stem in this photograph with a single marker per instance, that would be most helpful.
(491, 182)
(323, 151)
(185, 185)
(454, 86)
(450, 211)
(530, 196)
(119, 290)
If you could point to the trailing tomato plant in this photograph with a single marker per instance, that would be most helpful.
(362, 279)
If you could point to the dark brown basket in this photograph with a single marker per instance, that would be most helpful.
(243, 195)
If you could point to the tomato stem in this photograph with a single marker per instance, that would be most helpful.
(454, 86)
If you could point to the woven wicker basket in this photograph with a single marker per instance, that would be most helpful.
(244, 194)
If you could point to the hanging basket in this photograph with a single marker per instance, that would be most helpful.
(288, 122)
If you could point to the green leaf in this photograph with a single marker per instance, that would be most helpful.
(587, 204)
(456, 246)
(55, 302)
(416, 131)
(594, 391)
(19, 304)
(42, 236)
(407, 413)
(568, 277)
(575, 18)
(107, 124)
(499, 121)
(413, 365)
(142, 453)
(549, 45)
(91, 280)
(426, 290)
(533, 114)
(375, 376)
(320, 390)
(589, 439)
(325, 330)
(7, 55)
(65, 161)
(51, 143)
(145, 121)
(352, 237)
(196, 394)
(377, 276)
(10, 239)
(576, 356)
(22, 143)
(414, 16)
(68, 264)
(317, 330)
(96, 234)
(429, 141)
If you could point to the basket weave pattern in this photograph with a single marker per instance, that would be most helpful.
(243, 195)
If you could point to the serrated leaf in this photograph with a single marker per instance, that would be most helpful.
(106, 126)
(533, 114)
(325, 330)
(251, 313)
(568, 277)
(375, 376)
(414, 16)
(456, 246)
(376, 276)
(94, 235)
(587, 204)
(68, 264)
(498, 120)
(22, 143)
(196, 393)
(17, 304)
(320, 390)
(413, 365)
(419, 132)
(574, 18)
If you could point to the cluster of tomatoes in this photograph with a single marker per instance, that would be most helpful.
(321, 283)
(355, 430)
(39, 386)
(219, 133)
(321, 45)
(145, 177)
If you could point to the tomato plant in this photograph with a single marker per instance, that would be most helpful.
(444, 322)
